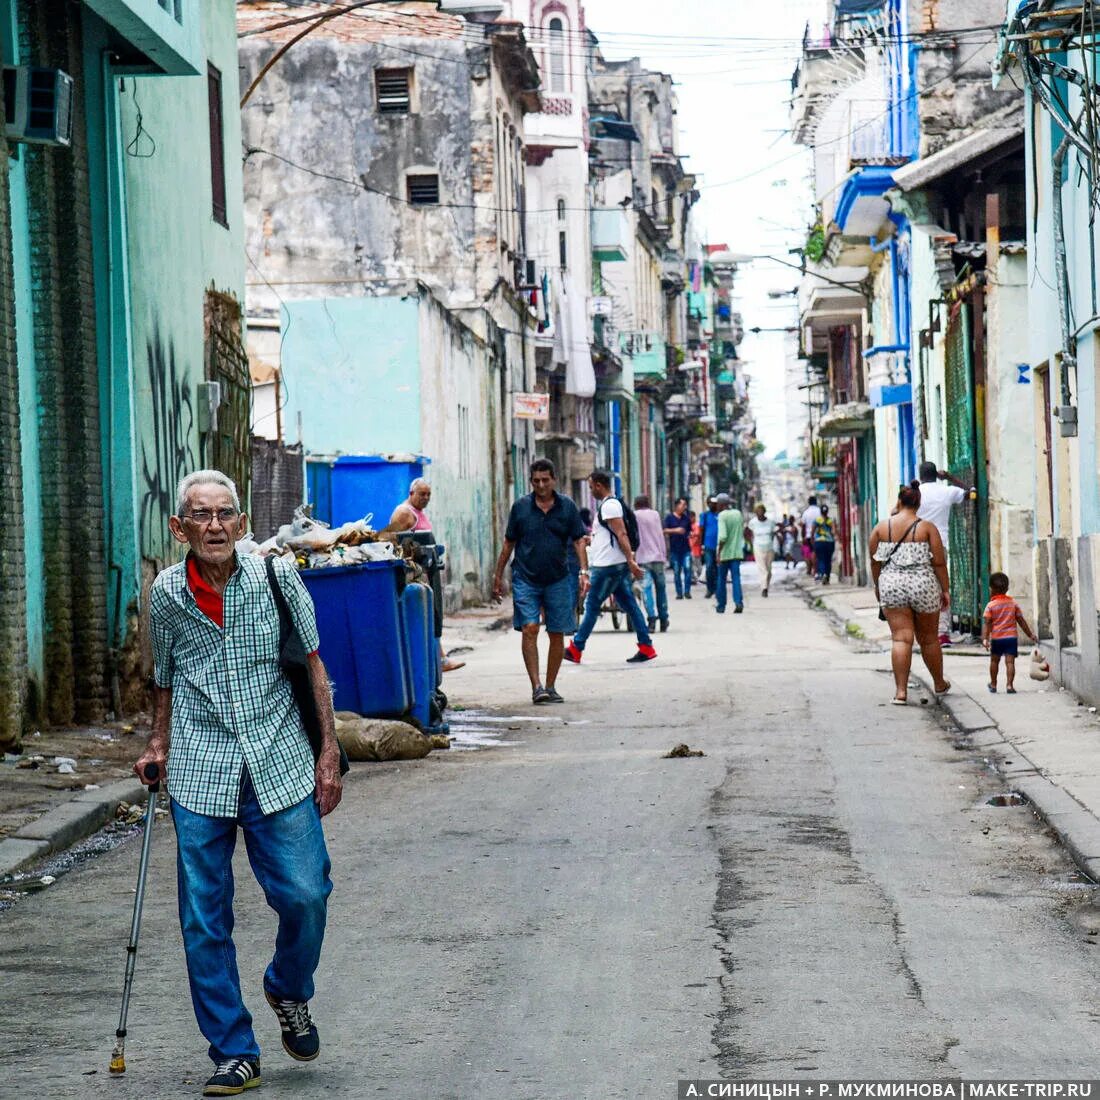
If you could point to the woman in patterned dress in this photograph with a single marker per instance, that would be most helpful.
(910, 572)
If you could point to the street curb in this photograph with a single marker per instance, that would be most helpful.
(1077, 827)
(66, 824)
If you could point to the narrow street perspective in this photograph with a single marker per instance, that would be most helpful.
(550, 549)
(829, 891)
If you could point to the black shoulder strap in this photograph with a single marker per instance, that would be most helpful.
(286, 623)
(889, 557)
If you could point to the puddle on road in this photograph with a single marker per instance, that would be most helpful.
(475, 729)
(13, 887)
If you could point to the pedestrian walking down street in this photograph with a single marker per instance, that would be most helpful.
(999, 632)
(228, 738)
(611, 557)
(651, 557)
(696, 541)
(910, 574)
(810, 515)
(412, 515)
(824, 532)
(936, 502)
(708, 522)
(731, 552)
(761, 534)
(678, 533)
(790, 540)
(541, 526)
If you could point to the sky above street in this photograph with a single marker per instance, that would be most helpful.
(732, 62)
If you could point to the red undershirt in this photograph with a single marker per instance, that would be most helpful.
(210, 602)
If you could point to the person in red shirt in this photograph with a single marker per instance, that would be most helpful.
(999, 631)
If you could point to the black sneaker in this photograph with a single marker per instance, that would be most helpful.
(664, 625)
(300, 1038)
(233, 1076)
(739, 609)
(552, 696)
(651, 624)
(540, 695)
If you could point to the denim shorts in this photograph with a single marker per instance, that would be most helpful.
(1004, 647)
(529, 600)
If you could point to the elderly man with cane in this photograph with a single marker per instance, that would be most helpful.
(229, 738)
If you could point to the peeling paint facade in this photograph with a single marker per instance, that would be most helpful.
(385, 158)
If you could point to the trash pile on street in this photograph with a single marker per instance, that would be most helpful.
(315, 545)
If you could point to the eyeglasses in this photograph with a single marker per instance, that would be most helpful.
(203, 517)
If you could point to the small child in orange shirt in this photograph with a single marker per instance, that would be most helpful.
(1002, 615)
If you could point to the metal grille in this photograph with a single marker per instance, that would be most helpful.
(423, 190)
(392, 89)
(964, 558)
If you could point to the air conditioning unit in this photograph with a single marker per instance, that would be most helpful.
(38, 105)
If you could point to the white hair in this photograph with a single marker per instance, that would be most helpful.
(204, 477)
(417, 482)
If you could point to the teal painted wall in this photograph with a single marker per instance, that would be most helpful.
(106, 181)
(28, 388)
(351, 373)
(177, 251)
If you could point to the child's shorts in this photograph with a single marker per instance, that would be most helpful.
(1004, 647)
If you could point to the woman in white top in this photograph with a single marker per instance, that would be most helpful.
(762, 535)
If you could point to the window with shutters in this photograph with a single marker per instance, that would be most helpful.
(422, 190)
(556, 38)
(217, 146)
(393, 91)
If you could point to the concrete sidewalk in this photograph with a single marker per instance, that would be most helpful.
(1043, 740)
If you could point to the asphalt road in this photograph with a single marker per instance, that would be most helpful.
(825, 894)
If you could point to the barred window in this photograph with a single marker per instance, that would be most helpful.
(422, 190)
(393, 89)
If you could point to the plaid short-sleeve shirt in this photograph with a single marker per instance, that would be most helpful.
(231, 704)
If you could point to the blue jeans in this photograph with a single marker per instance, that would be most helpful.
(611, 580)
(288, 856)
(823, 552)
(681, 570)
(727, 569)
(655, 582)
(710, 568)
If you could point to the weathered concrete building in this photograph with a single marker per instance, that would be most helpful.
(895, 91)
(1050, 49)
(643, 211)
(384, 159)
(559, 236)
(120, 276)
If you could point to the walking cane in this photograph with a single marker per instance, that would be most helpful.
(118, 1058)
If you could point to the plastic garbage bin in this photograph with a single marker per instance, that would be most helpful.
(364, 642)
(422, 648)
(362, 484)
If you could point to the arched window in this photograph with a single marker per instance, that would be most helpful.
(561, 210)
(556, 29)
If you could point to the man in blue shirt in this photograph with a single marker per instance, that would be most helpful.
(678, 533)
(709, 524)
(541, 526)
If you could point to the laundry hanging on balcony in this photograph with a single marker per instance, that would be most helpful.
(571, 347)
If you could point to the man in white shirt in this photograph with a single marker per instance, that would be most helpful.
(761, 532)
(808, 518)
(612, 565)
(936, 502)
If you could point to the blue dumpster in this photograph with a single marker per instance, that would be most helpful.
(422, 648)
(361, 484)
(364, 641)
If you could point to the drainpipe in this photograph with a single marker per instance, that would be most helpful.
(1066, 412)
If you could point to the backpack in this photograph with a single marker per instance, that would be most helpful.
(630, 521)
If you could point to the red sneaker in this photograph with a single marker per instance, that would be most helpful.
(645, 653)
(573, 654)
(945, 642)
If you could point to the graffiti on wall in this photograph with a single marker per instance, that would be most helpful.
(167, 453)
